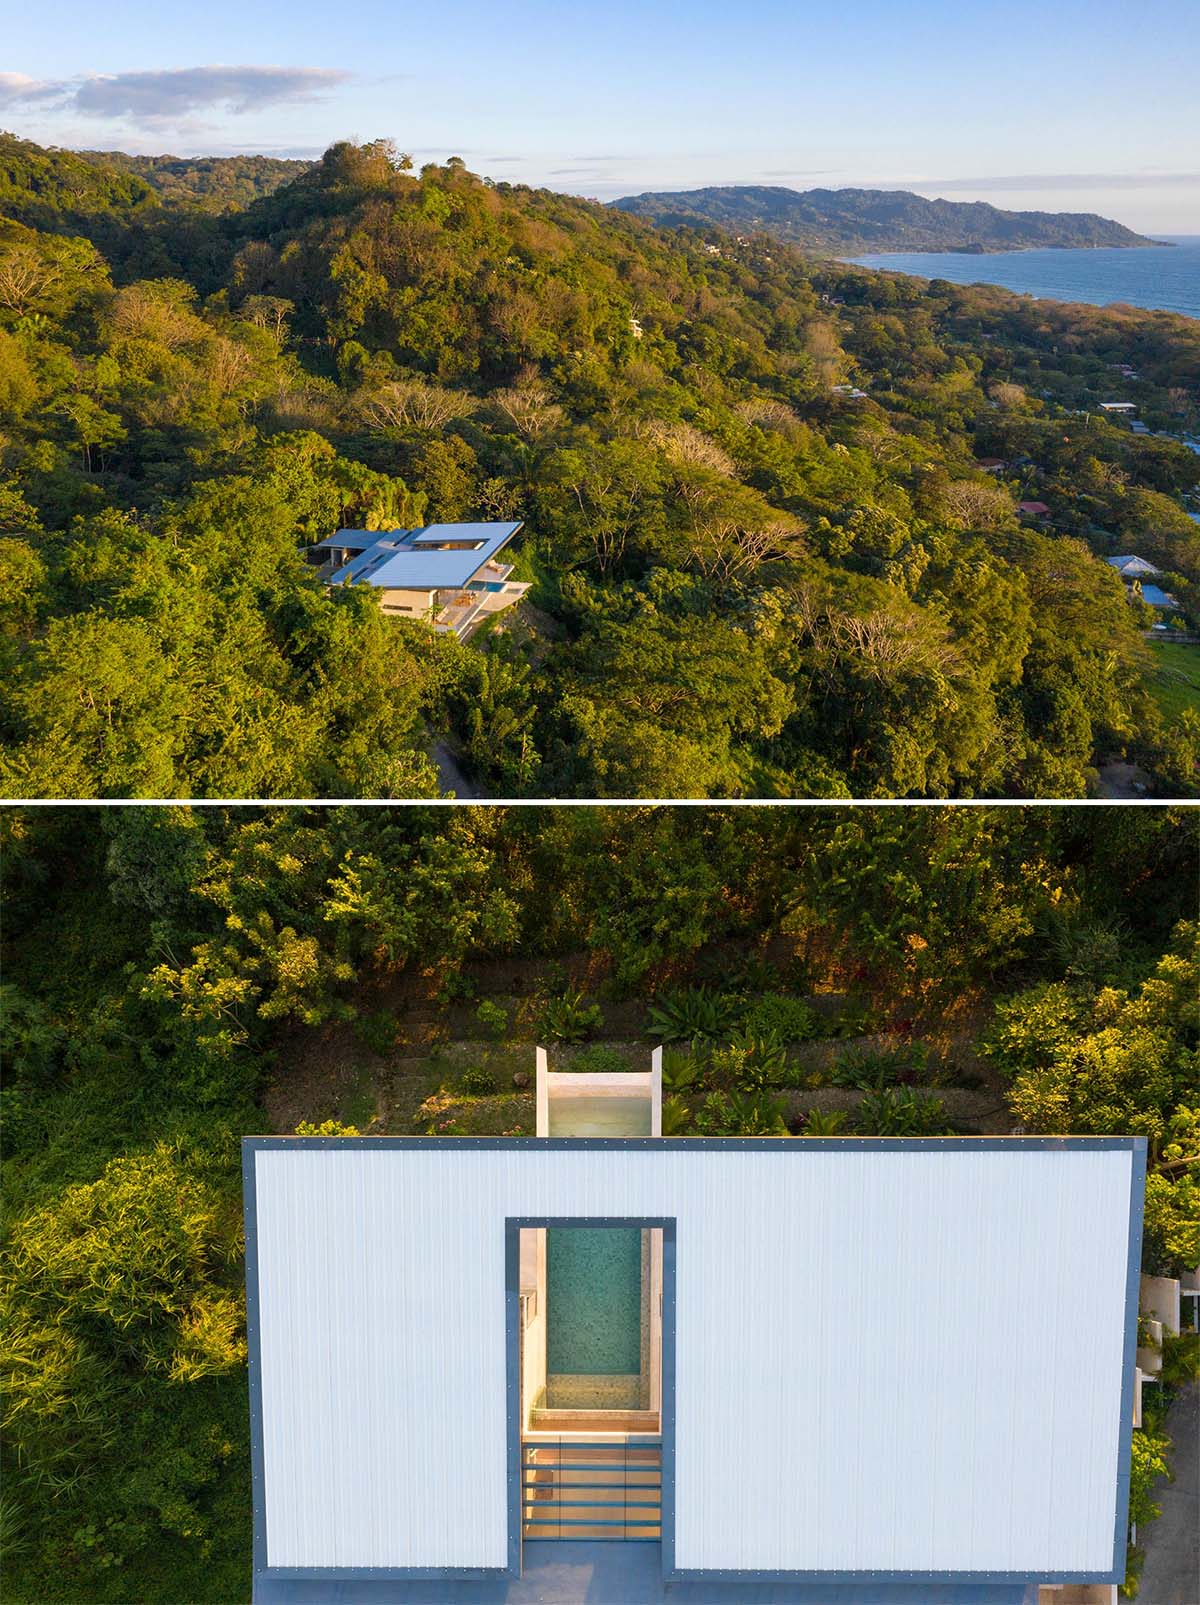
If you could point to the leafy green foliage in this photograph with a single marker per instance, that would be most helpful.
(125, 1363)
(493, 1017)
(742, 583)
(691, 1014)
(598, 1059)
(569, 1018)
(740, 1114)
(786, 1018)
(750, 1063)
(165, 971)
(901, 1112)
(676, 1116)
(216, 182)
(1125, 1066)
(873, 1069)
(824, 1123)
(478, 1081)
(1149, 1462)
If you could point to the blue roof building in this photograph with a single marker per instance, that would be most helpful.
(1135, 571)
(446, 574)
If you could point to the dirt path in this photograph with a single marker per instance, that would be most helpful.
(1172, 1572)
(452, 777)
(1122, 782)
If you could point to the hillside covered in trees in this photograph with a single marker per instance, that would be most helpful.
(864, 220)
(771, 549)
(174, 979)
(216, 182)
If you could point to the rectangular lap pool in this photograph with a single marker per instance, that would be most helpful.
(595, 1309)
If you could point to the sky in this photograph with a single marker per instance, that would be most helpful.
(1058, 105)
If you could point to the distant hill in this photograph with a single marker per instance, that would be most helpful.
(44, 187)
(862, 220)
(213, 182)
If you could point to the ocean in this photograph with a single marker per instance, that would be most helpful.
(1165, 278)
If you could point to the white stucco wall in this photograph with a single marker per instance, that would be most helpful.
(886, 1360)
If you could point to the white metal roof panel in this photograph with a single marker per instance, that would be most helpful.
(891, 1359)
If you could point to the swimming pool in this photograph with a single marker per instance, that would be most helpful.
(593, 1301)
(594, 1275)
(590, 1114)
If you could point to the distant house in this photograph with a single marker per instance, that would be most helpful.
(991, 465)
(445, 574)
(1121, 407)
(1139, 428)
(1033, 509)
(851, 392)
(1135, 571)
(1163, 600)
(1132, 568)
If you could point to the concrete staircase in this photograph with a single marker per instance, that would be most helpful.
(587, 1488)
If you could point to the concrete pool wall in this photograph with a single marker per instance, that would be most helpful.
(560, 1087)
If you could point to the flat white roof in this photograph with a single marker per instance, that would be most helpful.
(897, 1359)
(439, 556)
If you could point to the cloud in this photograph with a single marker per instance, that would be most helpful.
(16, 89)
(170, 95)
(1062, 181)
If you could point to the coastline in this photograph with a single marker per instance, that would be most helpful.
(1164, 277)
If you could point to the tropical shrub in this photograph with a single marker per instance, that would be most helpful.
(750, 1063)
(740, 1114)
(1028, 1029)
(598, 1059)
(1171, 1227)
(377, 1031)
(683, 1068)
(478, 1082)
(327, 1128)
(692, 1013)
(1128, 1068)
(787, 1019)
(869, 1069)
(901, 1112)
(569, 1018)
(823, 1122)
(676, 1116)
(493, 1017)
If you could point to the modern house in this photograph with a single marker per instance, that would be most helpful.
(1122, 409)
(601, 1365)
(447, 574)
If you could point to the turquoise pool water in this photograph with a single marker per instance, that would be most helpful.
(594, 1274)
(593, 1301)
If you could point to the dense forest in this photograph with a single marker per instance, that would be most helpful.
(176, 978)
(772, 507)
(217, 182)
(864, 220)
